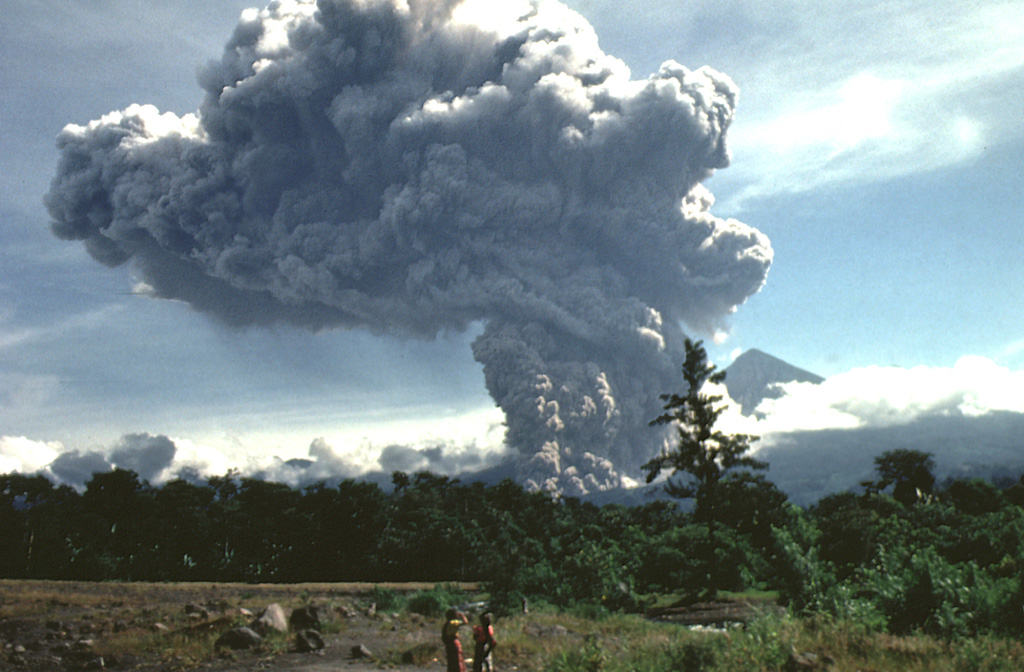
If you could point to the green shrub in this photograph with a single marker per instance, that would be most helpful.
(693, 656)
(764, 644)
(589, 611)
(435, 601)
(927, 592)
(591, 657)
(388, 599)
(804, 579)
(986, 655)
(843, 605)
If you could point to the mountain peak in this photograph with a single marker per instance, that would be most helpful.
(755, 375)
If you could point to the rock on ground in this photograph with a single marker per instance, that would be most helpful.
(305, 618)
(239, 638)
(308, 640)
(272, 618)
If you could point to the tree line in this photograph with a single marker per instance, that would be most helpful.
(902, 554)
(950, 558)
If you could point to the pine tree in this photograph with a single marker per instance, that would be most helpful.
(706, 454)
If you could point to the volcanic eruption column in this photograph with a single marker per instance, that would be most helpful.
(412, 167)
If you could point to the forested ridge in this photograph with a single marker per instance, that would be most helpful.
(947, 559)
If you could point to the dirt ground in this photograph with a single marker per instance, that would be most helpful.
(46, 625)
(385, 643)
(171, 627)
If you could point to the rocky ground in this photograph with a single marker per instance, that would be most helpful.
(169, 627)
(163, 627)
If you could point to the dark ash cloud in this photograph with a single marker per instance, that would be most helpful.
(145, 454)
(387, 166)
(436, 459)
(75, 468)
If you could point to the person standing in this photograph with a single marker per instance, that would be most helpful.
(483, 638)
(453, 620)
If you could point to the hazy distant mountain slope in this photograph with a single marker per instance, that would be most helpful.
(809, 465)
(752, 376)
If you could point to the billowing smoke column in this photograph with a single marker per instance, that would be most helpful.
(411, 167)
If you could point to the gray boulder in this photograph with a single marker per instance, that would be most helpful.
(239, 638)
(197, 611)
(271, 619)
(305, 618)
(308, 640)
(546, 631)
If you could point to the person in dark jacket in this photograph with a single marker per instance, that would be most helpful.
(453, 620)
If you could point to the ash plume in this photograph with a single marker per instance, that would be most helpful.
(406, 168)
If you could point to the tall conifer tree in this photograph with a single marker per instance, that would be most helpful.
(706, 454)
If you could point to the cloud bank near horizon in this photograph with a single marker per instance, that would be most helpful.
(158, 459)
(821, 439)
(926, 408)
(412, 168)
(880, 396)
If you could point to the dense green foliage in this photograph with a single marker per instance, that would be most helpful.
(908, 472)
(950, 563)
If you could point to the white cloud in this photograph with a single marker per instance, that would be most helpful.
(204, 459)
(361, 440)
(433, 438)
(821, 439)
(865, 129)
(876, 397)
(23, 455)
(859, 111)
(493, 16)
(854, 92)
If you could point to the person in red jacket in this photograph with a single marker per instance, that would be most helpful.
(483, 637)
(453, 620)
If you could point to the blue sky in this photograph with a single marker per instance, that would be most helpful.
(877, 145)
